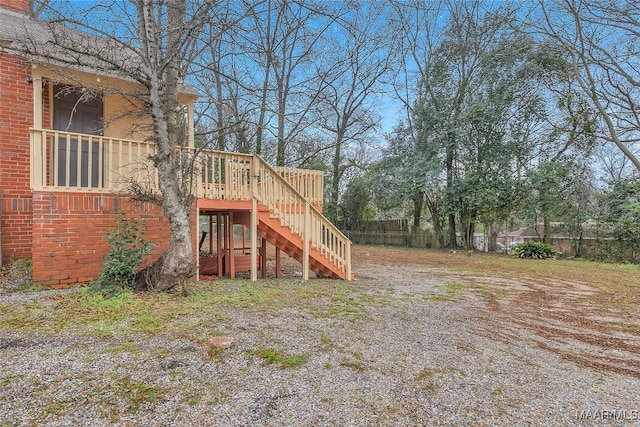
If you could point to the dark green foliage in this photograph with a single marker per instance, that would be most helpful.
(621, 213)
(355, 204)
(619, 222)
(534, 250)
(127, 248)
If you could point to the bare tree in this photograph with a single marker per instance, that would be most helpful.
(601, 40)
(150, 42)
(262, 75)
(614, 165)
(226, 112)
(364, 52)
(420, 28)
(284, 41)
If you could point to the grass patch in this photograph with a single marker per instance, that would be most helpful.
(326, 344)
(272, 356)
(5, 381)
(351, 303)
(128, 347)
(427, 377)
(449, 292)
(356, 365)
(190, 317)
(138, 393)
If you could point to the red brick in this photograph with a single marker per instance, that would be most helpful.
(73, 245)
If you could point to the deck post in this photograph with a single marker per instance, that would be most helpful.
(255, 175)
(196, 245)
(210, 234)
(348, 257)
(254, 240)
(263, 257)
(232, 248)
(305, 242)
(278, 264)
(219, 249)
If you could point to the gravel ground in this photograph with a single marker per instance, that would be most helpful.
(411, 354)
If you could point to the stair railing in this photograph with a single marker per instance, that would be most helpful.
(297, 213)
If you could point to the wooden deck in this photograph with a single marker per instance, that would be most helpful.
(281, 206)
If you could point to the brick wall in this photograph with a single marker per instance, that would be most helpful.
(16, 116)
(63, 233)
(19, 5)
(70, 233)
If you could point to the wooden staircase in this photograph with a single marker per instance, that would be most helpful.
(288, 220)
(281, 236)
(282, 200)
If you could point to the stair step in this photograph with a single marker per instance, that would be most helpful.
(283, 237)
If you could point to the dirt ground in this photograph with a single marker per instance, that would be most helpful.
(419, 338)
(588, 313)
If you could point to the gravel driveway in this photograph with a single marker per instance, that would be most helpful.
(414, 346)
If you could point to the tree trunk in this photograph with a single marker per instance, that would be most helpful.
(434, 211)
(418, 202)
(492, 235)
(453, 242)
(546, 235)
(220, 112)
(471, 231)
(176, 265)
(335, 177)
(280, 160)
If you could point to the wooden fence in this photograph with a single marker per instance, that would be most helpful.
(421, 239)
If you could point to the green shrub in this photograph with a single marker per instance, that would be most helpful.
(535, 250)
(127, 248)
(23, 264)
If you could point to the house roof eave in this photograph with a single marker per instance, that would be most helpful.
(39, 50)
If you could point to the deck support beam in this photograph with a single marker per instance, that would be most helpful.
(232, 247)
(210, 234)
(348, 261)
(263, 257)
(197, 247)
(305, 243)
(254, 241)
(219, 249)
(278, 264)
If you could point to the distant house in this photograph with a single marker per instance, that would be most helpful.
(66, 161)
(565, 244)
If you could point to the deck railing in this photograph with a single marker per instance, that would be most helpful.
(80, 162)
(309, 183)
(107, 164)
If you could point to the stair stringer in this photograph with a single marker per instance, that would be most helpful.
(281, 236)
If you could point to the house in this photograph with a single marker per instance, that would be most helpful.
(531, 233)
(71, 145)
